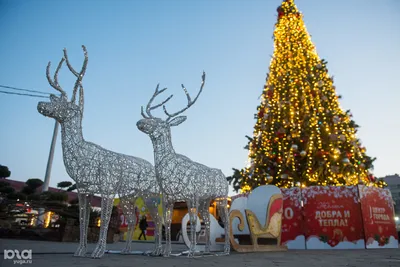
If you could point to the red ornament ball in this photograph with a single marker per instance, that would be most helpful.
(371, 177)
(270, 93)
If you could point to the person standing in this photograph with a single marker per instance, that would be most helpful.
(143, 226)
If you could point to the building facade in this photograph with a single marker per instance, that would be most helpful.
(393, 182)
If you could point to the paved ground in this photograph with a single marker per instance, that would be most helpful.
(49, 254)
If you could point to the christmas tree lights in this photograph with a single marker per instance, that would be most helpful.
(302, 137)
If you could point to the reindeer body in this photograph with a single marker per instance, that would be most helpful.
(180, 178)
(189, 174)
(94, 167)
(97, 170)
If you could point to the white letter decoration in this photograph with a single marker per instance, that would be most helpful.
(180, 178)
(95, 169)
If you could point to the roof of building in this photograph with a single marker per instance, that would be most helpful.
(392, 179)
(18, 185)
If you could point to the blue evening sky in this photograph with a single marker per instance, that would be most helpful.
(133, 45)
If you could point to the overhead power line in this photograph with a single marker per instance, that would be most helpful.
(22, 94)
(26, 90)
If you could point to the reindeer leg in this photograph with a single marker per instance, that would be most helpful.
(157, 219)
(84, 213)
(106, 209)
(193, 210)
(168, 210)
(128, 207)
(205, 214)
(223, 211)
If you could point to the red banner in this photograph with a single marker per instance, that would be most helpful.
(332, 217)
(292, 221)
(378, 214)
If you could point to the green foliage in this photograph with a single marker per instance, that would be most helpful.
(50, 201)
(45, 195)
(54, 206)
(28, 190)
(72, 188)
(16, 196)
(59, 196)
(6, 190)
(71, 211)
(247, 147)
(4, 184)
(33, 197)
(302, 136)
(4, 172)
(64, 184)
(323, 238)
(53, 196)
(235, 180)
(34, 183)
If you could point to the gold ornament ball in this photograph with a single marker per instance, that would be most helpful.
(269, 178)
(294, 147)
(303, 153)
(346, 161)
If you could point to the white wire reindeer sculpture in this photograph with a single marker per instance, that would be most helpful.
(95, 169)
(180, 178)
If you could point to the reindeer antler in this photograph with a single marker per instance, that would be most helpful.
(54, 83)
(149, 108)
(79, 76)
(190, 102)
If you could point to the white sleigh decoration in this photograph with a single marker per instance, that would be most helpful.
(216, 231)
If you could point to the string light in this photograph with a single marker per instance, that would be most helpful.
(302, 134)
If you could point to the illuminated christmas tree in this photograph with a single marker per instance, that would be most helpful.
(302, 137)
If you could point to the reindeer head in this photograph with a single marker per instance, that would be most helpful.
(60, 108)
(154, 126)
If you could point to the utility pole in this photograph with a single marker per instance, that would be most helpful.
(45, 186)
